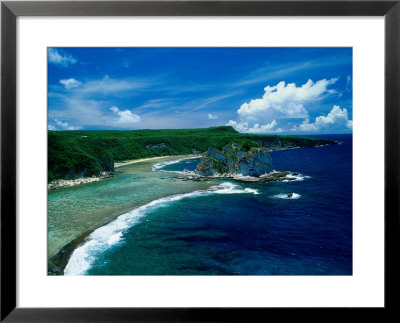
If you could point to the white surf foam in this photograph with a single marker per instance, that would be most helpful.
(114, 238)
(161, 165)
(294, 196)
(106, 236)
(291, 177)
(251, 190)
(288, 178)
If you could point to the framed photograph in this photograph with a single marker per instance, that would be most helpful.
(198, 161)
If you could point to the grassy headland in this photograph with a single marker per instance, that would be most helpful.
(82, 153)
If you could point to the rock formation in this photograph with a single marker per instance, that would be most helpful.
(235, 159)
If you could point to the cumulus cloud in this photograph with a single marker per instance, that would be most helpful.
(124, 117)
(70, 83)
(284, 100)
(61, 125)
(212, 116)
(283, 103)
(337, 119)
(60, 58)
(257, 128)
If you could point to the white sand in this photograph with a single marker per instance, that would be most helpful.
(85, 180)
(134, 161)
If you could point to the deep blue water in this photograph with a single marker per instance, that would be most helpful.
(247, 233)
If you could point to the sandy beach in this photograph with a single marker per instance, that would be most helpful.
(134, 161)
(94, 206)
(62, 183)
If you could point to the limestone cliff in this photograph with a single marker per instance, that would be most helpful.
(235, 159)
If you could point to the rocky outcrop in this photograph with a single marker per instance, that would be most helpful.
(235, 159)
(60, 183)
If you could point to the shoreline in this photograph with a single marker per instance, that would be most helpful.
(274, 176)
(135, 161)
(63, 183)
(56, 263)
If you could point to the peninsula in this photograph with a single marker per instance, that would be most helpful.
(87, 153)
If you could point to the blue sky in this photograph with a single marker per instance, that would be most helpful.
(256, 90)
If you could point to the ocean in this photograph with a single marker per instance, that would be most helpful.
(168, 226)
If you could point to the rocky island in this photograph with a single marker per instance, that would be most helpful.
(77, 154)
(245, 161)
(235, 159)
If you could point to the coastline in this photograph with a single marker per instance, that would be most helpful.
(58, 261)
(63, 183)
(134, 161)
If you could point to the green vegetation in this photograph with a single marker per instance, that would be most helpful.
(220, 166)
(248, 144)
(73, 154)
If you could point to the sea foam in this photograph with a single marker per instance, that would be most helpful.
(161, 165)
(111, 234)
(294, 196)
(291, 177)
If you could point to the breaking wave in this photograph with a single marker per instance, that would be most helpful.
(288, 196)
(106, 236)
(161, 165)
(298, 177)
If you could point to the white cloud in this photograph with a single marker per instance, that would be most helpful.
(61, 125)
(337, 119)
(212, 116)
(125, 117)
(91, 113)
(79, 111)
(156, 103)
(284, 101)
(60, 58)
(244, 127)
(203, 103)
(269, 72)
(110, 85)
(70, 83)
(349, 84)
(239, 126)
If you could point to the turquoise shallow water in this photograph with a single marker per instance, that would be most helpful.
(224, 227)
(76, 210)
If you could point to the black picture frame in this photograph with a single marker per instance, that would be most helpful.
(10, 10)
